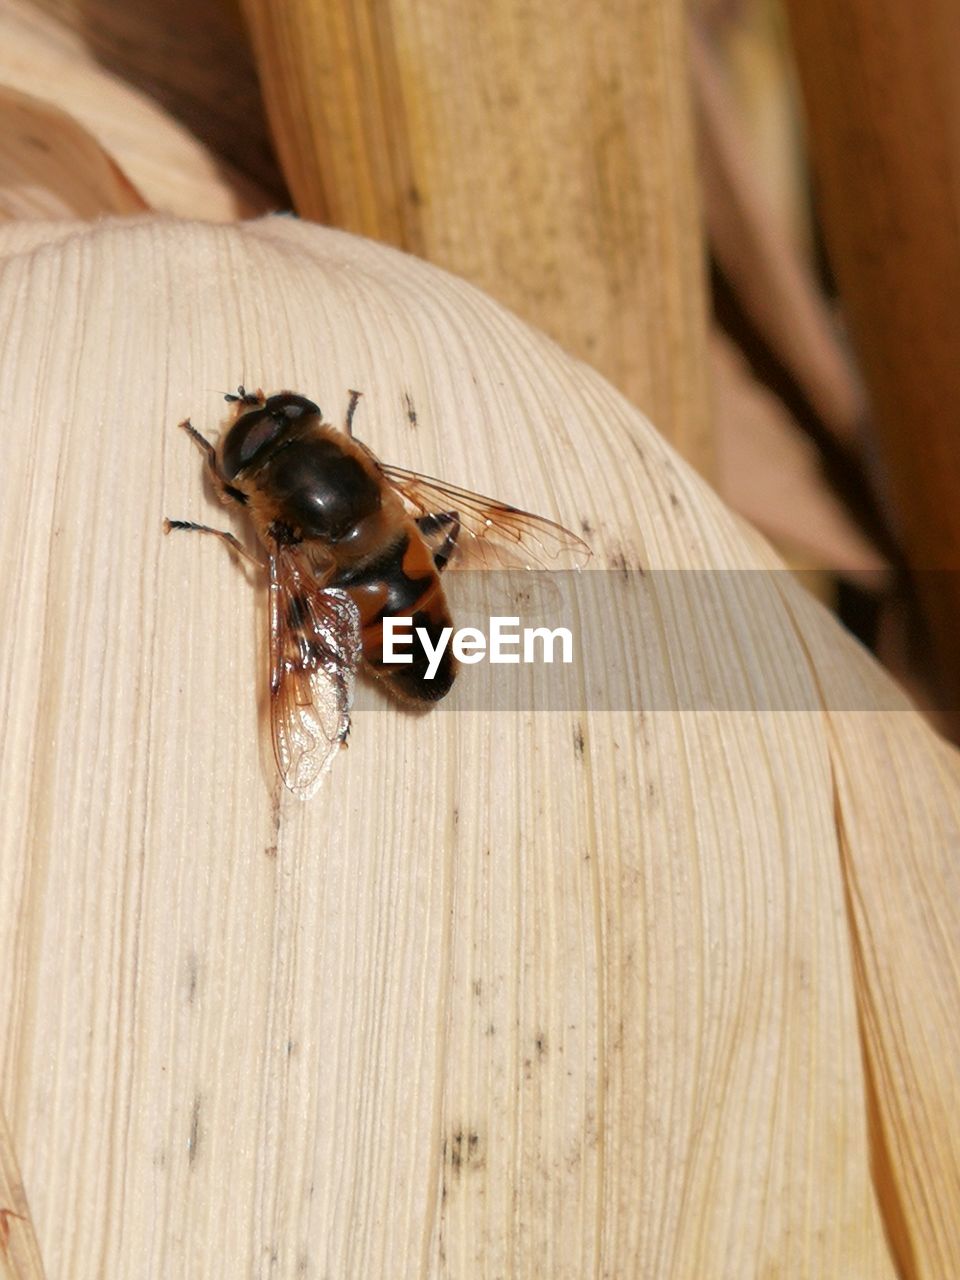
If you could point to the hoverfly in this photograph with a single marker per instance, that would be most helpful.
(349, 542)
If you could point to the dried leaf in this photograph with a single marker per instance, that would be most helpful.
(606, 989)
(166, 164)
(558, 175)
(53, 168)
(19, 1253)
(193, 58)
(770, 473)
(772, 282)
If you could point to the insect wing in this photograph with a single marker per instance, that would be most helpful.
(314, 653)
(492, 535)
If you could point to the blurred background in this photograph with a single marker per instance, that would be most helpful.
(744, 213)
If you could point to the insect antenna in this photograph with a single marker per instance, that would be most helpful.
(243, 395)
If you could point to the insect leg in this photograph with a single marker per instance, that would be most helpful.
(440, 532)
(202, 443)
(209, 452)
(227, 492)
(233, 543)
(351, 410)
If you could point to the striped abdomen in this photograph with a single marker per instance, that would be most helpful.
(402, 581)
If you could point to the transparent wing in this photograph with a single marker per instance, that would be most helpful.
(491, 534)
(314, 653)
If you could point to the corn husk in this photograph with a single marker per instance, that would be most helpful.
(52, 168)
(171, 169)
(555, 171)
(650, 986)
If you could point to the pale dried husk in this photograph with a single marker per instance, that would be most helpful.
(52, 168)
(642, 991)
(170, 168)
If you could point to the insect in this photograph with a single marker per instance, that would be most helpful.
(350, 541)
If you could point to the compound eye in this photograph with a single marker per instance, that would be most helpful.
(252, 432)
(289, 406)
(255, 430)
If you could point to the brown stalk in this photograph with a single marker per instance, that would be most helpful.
(549, 162)
(883, 94)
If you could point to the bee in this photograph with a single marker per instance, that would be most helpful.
(349, 542)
